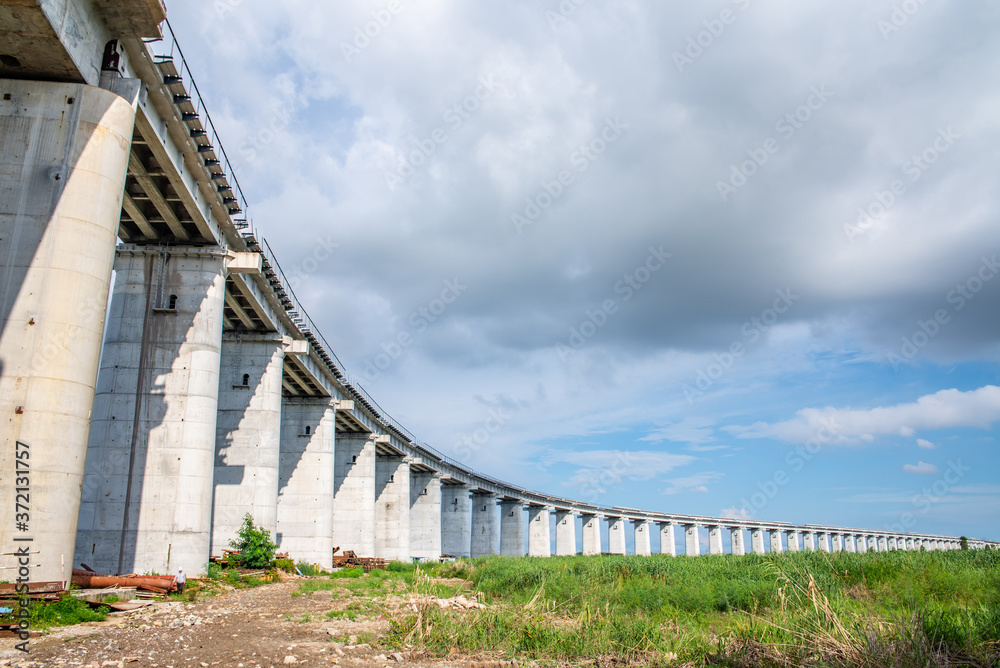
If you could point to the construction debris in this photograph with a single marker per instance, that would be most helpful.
(159, 584)
(349, 558)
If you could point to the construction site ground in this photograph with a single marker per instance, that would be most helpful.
(268, 626)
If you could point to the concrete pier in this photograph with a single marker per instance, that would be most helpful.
(591, 525)
(757, 540)
(793, 541)
(715, 539)
(565, 533)
(248, 435)
(692, 542)
(484, 524)
(425, 515)
(512, 528)
(736, 537)
(641, 538)
(668, 540)
(849, 545)
(392, 508)
(354, 494)
(823, 540)
(616, 535)
(305, 482)
(148, 507)
(456, 520)
(776, 545)
(539, 532)
(63, 159)
(883, 544)
(809, 541)
(837, 543)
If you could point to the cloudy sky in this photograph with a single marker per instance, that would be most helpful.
(644, 253)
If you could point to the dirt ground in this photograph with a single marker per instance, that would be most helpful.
(263, 627)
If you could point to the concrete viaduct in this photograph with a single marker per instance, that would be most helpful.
(136, 434)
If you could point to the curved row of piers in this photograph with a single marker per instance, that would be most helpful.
(149, 428)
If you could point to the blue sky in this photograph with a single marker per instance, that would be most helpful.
(640, 253)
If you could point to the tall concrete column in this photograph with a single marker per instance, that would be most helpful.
(793, 541)
(565, 533)
(354, 493)
(484, 524)
(641, 538)
(883, 544)
(776, 546)
(715, 540)
(591, 534)
(809, 541)
(891, 543)
(616, 535)
(692, 543)
(909, 544)
(392, 508)
(872, 543)
(456, 520)
(757, 540)
(425, 515)
(837, 544)
(823, 539)
(849, 545)
(511, 528)
(64, 152)
(305, 481)
(147, 500)
(539, 532)
(736, 536)
(668, 541)
(862, 544)
(248, 436)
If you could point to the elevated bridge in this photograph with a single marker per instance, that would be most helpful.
(210, 393)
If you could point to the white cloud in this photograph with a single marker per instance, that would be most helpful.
(921, 468)
(945, 409)
(689, 430)
(735, 513)
(692, 484)
(926, 445)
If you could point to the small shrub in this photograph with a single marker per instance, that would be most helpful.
(254, 545)
(286, 565)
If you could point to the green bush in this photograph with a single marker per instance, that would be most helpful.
(254, 545)
(355, 572)
(286, 565)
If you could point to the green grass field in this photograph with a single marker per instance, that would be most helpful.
(806, 609)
